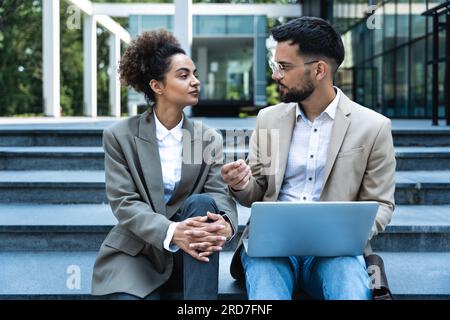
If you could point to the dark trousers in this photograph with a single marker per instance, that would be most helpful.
(197, 280)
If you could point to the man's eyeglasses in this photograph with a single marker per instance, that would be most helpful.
(280, 69)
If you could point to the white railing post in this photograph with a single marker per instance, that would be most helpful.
(183, 29)
(114, 82)
(51, 58)
(183, 24)
(90, 66)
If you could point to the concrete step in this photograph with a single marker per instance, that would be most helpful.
(29, 135)
(28, 227)
(92, 158)
(412, 187)
(70, 158)
(418, 275)
(431, 137)
(47, 275)
(25, 227)
(237, 132)
(50, 275)
(423, 158)
(416, 228)
(57, 187)
(422, 187)
(56, 158)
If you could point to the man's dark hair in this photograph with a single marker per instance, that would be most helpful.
(315, 37)
(148, 57)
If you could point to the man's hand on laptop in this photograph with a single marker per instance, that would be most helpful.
(236, 174)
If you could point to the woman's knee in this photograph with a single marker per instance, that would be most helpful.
(200, 198)
(200, 204)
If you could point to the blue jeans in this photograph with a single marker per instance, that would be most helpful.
(329, 278)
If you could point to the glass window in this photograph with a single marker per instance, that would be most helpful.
(389, 25)
(429, 91)
(368, 85)
(442, 44)
(430, 4)
(441, 92)
(418, 88)
(156, 22)
(352, 9)
(378, 33)
(133, 26)
(388, 84)
(368, 42)
(441, 40)
(211, 25)
(401, 85)
(344, 80)
(418, 23)
(430, 48)
(402, 21)
(337, 16)
(240, 25)
(378, 83)
(346, 15)
(359, 38)
(441, 82)
(224, 74)
(359, 84)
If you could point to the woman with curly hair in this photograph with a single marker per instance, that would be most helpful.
(174, 213)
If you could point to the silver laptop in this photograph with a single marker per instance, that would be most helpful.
(326, 229)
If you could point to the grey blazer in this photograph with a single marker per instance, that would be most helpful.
(132, 258)
(360, 162)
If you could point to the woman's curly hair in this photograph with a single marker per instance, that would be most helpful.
(147, 58)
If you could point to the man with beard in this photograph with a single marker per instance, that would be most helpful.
(327, 148)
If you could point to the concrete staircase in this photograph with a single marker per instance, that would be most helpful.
(54, 216)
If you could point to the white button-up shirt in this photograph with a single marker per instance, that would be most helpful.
(170, 146)
(307, 157)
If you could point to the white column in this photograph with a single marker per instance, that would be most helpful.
(51, 58)
(114, 82)
(183, 30)
(90, 66)
(183, 24)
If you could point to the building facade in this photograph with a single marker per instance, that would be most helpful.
(396, 56)
(230, 55)
(389, 56)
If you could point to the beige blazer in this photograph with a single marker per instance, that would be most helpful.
(360, 163)
(132, 258)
